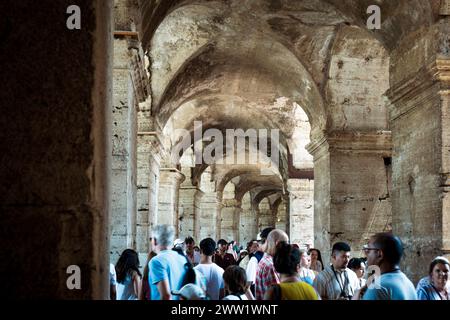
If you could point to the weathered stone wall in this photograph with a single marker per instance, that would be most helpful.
(265, 215)
(301, 207)
(351, 199)
(55, 163)
(420, 122)
(281, 215)
(358, 78)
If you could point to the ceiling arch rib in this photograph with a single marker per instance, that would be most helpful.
(257, 85)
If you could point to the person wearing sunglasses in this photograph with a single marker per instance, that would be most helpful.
(384, 252)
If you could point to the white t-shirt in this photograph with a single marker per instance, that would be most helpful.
(252, 267)
(125, 290)
(213, 275)
(234, 297)
(197, 257)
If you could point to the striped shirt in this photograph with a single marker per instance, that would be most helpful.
(330, 284)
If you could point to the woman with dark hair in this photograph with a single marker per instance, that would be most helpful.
(235, 284)
(128, 276)
(286, 261)
(437, 289)
(316, 260)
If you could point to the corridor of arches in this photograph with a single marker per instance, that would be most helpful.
(221, 118)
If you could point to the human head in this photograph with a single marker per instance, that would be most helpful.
(207, 247)
(357, 265)
(340, 255)
(275, 236)
(384, 248)
(252, 246)
(235, 280)
(190, 292)
(439, 270)
(163, 236)
(315, 255)
(305, 259)
(189, 243)
(197, 248)
(286, 259)
(178, 244)
(222, 244)
(127, 263)
(262, 238)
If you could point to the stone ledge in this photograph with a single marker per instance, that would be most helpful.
(436, 74)
(353, 142)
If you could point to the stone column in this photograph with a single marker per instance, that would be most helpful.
(56, 150)
(230, 215)
(148, 166)
(301, 211)
(420, 122)
(208, 204)
(123, 213)
(265, 215)
(187, 206)
(248, 228)
(351, 192)
(206, 219)
(168, 198)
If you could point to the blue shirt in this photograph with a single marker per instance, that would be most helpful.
(167, 265)
(393, 286)
(428, 292)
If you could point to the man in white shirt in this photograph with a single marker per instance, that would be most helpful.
(212, 273)
(255, 257)
(336, 281)
(193, 256)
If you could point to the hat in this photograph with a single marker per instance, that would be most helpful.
(178, 242)
(190, 292)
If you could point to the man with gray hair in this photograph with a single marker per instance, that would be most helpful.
(167, 269)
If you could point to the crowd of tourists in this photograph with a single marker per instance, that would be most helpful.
(270, 268)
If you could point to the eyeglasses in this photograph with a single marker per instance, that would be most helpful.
(366, 249)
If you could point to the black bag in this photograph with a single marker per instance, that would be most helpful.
(189, 276)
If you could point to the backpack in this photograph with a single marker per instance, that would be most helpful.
(190, 275)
